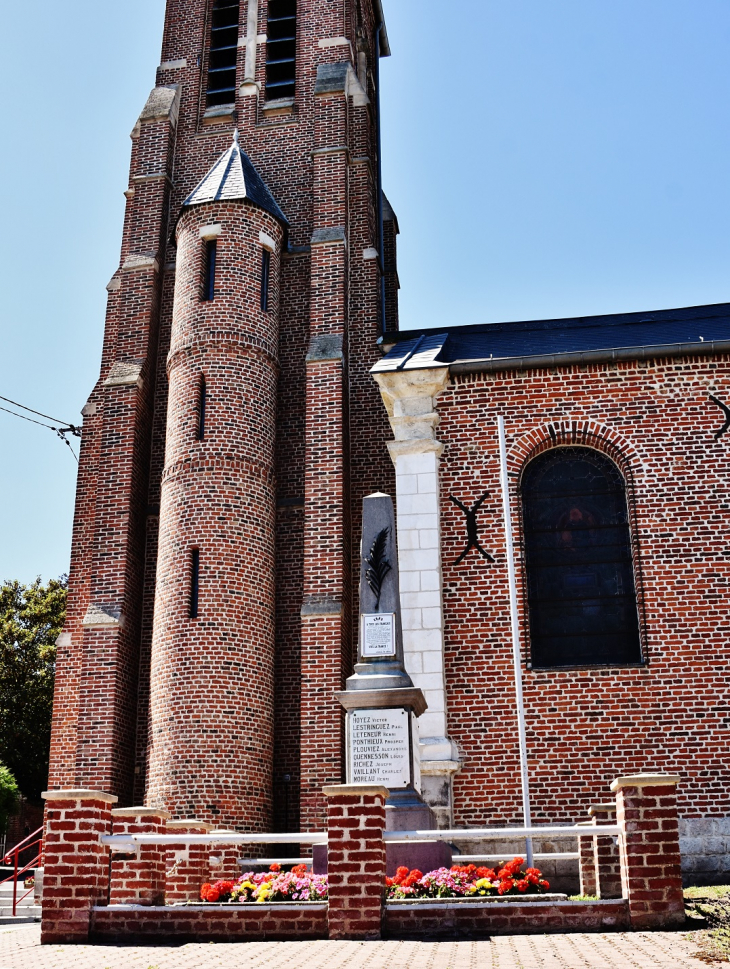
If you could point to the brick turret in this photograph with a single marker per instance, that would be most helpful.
(212, 665)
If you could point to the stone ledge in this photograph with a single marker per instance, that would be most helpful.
(178, 824)
(645, 780)
(316, 606)
(225, 907)
(99, 615)
(600, 809)
(218, 113)
(136, 812)
(324, 347)
(547, 898)
(78, 794)
(331, 235)
(384, 699)
(163, 102)
(358, 790)
(141, 260)
(436, 767)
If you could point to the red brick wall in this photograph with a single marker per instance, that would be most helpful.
(76, 874)
(469, 920)
(587, 725)
(212, 923)
(138, 878)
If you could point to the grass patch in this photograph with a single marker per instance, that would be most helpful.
(711, 905)
(582, 898)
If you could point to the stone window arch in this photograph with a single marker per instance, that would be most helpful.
(582, 606)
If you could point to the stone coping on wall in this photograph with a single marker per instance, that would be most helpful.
(210, 907)
(645, 780)
(484, 900)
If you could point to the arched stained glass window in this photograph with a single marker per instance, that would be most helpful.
(580, 579)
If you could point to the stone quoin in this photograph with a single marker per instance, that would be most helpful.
(255, 386)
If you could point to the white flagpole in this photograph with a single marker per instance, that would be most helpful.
(516, 657)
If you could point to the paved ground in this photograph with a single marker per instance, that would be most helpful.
(20, 949)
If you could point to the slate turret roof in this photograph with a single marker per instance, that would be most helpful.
(234, 178)
(693, 330)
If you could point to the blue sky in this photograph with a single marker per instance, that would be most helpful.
(545, 158)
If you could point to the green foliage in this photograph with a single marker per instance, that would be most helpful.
(9, 795)
(31, 618)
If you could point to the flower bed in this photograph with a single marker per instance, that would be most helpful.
(274, 885)
(458, 882)
(467, 881)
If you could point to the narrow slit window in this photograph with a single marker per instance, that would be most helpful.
(265, 267)
(202, 401)
(211, 249)
(281, 49)
(194, 582)
(223, 53)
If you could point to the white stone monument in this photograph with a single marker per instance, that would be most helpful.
(381, 701)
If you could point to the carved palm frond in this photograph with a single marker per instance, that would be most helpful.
(378, 565)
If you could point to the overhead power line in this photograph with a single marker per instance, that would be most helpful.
(59, 431)
(70, 427)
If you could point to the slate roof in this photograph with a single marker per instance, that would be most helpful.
(233, 178)
(495, 346)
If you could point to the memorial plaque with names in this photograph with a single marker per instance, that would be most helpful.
(377, 634)
(378, 747)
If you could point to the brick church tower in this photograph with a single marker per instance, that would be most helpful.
(234, 428)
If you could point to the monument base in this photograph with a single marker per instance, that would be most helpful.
(406, 810)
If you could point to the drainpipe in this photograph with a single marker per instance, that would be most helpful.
(381, 234)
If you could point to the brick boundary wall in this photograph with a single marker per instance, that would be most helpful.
(220, 923)
(651, 878)
(356, 860)
(587, 862)
(76, 872)
(599, 858)
(451, 920)
(187, 866)
(139, 878)
(77, 878)
(607, 854)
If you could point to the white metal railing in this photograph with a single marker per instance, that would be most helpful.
(538, 856)
(507, 834)
(124, 843)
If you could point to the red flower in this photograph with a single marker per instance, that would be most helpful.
(486, 873)
(275, 867)
(522, 885)
(506, 885)
(412, 878)
(544, 884)
(388, 882)
(299, 870)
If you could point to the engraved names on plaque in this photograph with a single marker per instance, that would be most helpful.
(378, 747)
(377, 636)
